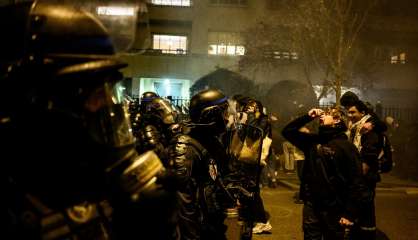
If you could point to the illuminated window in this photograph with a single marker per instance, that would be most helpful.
(177, 88)
(182, 3)
(229, 2)
(286, 55)
(168, 88)
(170, 44)
(395, 59)
(225, 43)
(402, 58)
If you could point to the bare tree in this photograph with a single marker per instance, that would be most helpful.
(324, 34)
(334, 27)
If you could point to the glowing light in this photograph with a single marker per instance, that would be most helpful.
(116, 11)
(167, 86)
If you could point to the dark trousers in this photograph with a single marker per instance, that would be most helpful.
(260, 214)
(366, 227)
(320, 224)
(299, 168)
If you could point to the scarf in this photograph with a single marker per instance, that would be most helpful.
(354, 133)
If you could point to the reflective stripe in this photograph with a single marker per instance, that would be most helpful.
(220, 101)
(148, 99)
(210, 104)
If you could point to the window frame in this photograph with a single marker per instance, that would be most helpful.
(236, 45)
(174, 52)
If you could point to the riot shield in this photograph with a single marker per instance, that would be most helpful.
(245, 148)
(246, 144)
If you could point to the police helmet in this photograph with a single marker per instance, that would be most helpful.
(146, 99)
(209, 107)
(163, 110)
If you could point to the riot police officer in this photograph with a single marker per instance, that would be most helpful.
(156, 124)
(209, 115)
(146, 99)
(185, 159)
(70, 164)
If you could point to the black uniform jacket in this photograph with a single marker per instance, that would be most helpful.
(331, 178)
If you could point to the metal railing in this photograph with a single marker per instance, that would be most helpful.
(403, 114)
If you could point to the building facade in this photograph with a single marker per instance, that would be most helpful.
(190, 39)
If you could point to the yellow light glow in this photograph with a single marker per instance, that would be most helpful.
(116, 11)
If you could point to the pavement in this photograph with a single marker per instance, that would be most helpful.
(396, 209)
(396, 212)
(389, 183)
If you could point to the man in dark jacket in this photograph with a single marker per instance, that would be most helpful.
(374, 122)
(369, 142)
(331, 184)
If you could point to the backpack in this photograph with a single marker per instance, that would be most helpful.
(384, 159)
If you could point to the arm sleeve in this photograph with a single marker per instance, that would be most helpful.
(267, 140)
(370, 148)
(378, 124)
(299, 139)
(265, 148)
(181, 158)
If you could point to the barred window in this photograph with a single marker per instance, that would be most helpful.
(170, 44)
(182, 3)
(281, 55)
(225, 43)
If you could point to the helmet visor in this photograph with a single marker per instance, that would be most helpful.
(121, 19)
(107, 118)
(215, 113)
(127, 23)
(166, 111)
